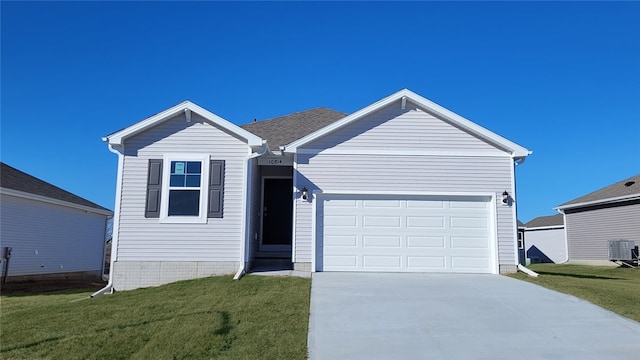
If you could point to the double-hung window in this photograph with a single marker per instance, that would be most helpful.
(185, 188)
(185, 182)
(185, 193)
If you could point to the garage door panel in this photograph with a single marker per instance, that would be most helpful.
(425, 241)
(377, 204)
(380, 261)
(340, 221)
(341, 240)
(369, 221)
(467, 205)
(345, 261)
(339, 203)
(469, 243)
(381, 241)
(468, 223)
(426, 263)
(434, 222)
(416, 204)
(462, 262)
(405, 234)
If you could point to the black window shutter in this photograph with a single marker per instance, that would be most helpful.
(154, 188)
(216, 188)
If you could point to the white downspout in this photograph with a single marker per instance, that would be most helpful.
(246, 223)
(104, 246)
(527, 271)
(521, 267)
(116, 224)
(566, 238)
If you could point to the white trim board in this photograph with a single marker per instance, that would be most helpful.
(475, 153)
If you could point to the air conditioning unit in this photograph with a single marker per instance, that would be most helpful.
(620, 249)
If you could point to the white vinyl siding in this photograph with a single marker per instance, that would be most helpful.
(49, 239)
(392, 128)
(408, 175)
(588, 232)
(143, 239)
(425, 155)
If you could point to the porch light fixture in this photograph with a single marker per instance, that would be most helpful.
(304, 193)
(505, 197)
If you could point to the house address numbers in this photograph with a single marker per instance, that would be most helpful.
(274, 161)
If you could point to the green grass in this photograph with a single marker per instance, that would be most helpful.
(616, 289)
(217, 317)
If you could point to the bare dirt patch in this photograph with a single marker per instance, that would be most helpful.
(47, 286)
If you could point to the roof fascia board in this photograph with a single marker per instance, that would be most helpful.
(479, 153)
(515, 149)
(598, 202)
(29, 196)
(549, 227)
(118, 137)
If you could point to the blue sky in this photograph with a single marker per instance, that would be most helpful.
(562, 79)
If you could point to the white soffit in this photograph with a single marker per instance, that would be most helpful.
(516, 150)
(117, 138)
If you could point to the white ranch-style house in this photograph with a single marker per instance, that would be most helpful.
(402, 185)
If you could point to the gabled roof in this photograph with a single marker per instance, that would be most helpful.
(556, 220)
(627, 189)
(516, 150)
(186, 107)
(282, 130)
(14, 179)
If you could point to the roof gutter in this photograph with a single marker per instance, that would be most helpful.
(598, 202)
(520, 159)
(246, 223)
(116, 225)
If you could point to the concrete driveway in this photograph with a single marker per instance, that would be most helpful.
(438, 316)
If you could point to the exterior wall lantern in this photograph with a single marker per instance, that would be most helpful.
(305, 192)
(505, 197)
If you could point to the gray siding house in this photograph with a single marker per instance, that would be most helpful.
(544, 239)
(592, 220)
(52, 232)
(402, 185)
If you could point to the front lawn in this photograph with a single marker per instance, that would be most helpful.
(616, 289)
(217, 317)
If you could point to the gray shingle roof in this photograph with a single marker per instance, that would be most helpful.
(520, 224)
(283, 130)
(626, 187)
(12, 178)
(551, 220)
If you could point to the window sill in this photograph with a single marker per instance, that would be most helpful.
(183, 220)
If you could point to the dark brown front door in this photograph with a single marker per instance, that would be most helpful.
(277, 214)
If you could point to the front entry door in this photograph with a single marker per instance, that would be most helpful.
(277, 214)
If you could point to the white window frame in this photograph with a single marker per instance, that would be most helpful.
(204, 181)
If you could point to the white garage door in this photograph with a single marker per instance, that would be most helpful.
(404, 234)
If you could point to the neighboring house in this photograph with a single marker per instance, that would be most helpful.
(402, 185)
(592, 220)
(544, 239)
(52, 232)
